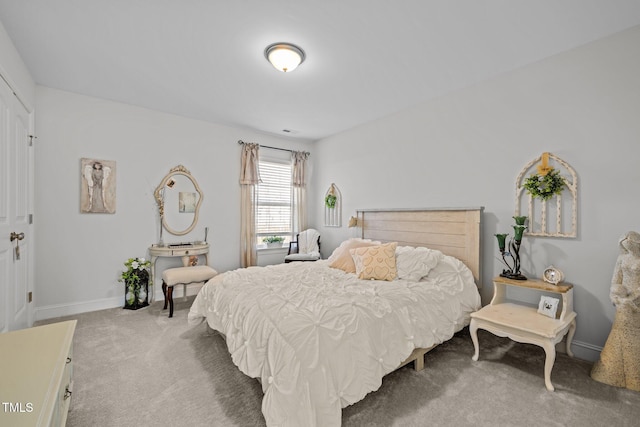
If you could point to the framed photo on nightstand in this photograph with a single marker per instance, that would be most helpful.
(548, 306)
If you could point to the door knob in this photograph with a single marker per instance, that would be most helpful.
(16, 236)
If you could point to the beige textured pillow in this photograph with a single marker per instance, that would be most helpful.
(341, 257)
(376, 262)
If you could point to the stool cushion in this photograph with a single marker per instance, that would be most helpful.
(185, 275)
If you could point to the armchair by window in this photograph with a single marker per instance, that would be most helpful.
(306, 247)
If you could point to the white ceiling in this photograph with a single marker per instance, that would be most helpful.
(365, 58)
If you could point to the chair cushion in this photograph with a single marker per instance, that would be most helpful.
(186, 275)
(303, 257)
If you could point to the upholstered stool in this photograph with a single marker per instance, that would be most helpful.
(183, 276)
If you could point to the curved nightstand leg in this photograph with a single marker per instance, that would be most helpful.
(473, 330)
(550, 351)
(572, 330)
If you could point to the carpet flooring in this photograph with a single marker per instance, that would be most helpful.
(140, 368)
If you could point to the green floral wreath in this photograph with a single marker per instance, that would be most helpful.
(544, 186)
(330, 201)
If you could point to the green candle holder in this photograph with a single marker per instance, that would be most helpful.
(511, 257)
(520, 220)
(502, 239)
(518, 230)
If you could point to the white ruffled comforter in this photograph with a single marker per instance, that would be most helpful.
(321, 339)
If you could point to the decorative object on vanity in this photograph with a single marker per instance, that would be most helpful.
(98, 186)
(333, 207)
(179, 198)
(619, 363)
(512, 250)
(273, 241)
(547, 191)
(552, 275)
(136, 283)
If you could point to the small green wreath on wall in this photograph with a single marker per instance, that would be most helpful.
(330, 201)
(544, 186)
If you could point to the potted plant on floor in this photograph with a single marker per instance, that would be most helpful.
(136, 283)
(273, 241)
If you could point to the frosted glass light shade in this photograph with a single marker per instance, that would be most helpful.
(284, 57)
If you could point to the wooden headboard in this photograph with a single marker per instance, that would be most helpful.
(453, 231)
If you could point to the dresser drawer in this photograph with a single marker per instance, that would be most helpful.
(65, 392)
(36, 375)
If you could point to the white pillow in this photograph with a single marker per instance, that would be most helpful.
(341, 257)
(415, 263)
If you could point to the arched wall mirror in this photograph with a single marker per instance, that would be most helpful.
(179, 198)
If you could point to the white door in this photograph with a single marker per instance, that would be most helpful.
(16, 169)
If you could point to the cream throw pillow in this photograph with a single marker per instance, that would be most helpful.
(376, 262)
(341, 257)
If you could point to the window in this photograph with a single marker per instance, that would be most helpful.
(274, 213)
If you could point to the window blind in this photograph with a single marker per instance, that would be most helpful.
(274, 210)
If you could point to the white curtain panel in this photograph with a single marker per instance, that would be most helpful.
(249, 178)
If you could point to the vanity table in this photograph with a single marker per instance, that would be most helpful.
(175, 250)
(179, 198)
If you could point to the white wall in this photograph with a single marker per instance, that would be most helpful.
(466, 149)
(80, 256)
(15, 72)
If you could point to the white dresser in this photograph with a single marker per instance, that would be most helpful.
(36, 368)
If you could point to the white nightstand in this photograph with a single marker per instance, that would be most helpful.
(524, 324)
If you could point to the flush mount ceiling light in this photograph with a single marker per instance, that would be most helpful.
(284, 57)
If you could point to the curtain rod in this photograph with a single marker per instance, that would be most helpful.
(241, 142)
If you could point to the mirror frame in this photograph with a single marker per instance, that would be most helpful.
(159, 196)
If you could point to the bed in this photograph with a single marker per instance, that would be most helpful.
(319, 338)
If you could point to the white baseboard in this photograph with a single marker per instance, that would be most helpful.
(586, 351)
(60, 310)
(69, 309)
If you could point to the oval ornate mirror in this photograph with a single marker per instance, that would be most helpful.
(179, 198)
